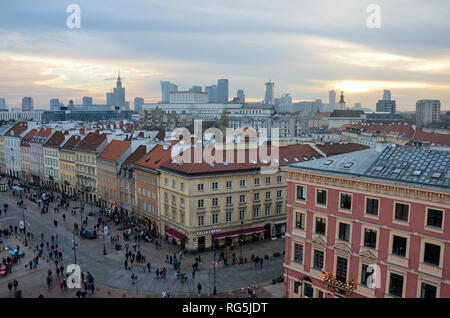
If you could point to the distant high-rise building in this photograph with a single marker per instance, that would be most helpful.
(357, 105)
(195, 89)
(71, 105)
(222, 91)
(166, 88)
(386, 105)
(240, 95)
(268, 92)
(109, 99)
(27, 103)
(138, 101)
(428, 112)
(119, 94)
(283, 104)
(212, 93)
(54, 104)
(2, 103)
(87, 101)
(332, 97)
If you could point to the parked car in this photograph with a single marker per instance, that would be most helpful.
(89, 234)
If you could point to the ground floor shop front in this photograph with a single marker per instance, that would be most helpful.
(221, 237)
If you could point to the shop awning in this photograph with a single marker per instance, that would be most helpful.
(175, 234)
(248, 231)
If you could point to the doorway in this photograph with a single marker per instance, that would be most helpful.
(201, 243)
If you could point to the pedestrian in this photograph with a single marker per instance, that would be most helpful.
(199, 288)
(126, 264)
(148, 267)
(10, 286)
(261, 262)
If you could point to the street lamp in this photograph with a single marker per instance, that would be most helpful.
(214, 264)
(241, 239)
(104, 245)
(24, 224)
(74, 247)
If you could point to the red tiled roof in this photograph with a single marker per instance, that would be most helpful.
(338, 149)
(92, 141)
(287, 155)
(401, 130)
(26, 139)
(432, 138)
(114, 150)
(56, 139)
(136, 155)
(17, 129)
(155, 157)
(69, 144)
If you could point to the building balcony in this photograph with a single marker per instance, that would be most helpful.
(337, 286)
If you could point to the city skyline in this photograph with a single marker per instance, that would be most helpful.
(306, 51)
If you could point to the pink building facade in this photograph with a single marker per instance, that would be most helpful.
(388, 210)
(37, 166)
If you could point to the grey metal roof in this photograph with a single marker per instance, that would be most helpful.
(5, 128)
(404, 165)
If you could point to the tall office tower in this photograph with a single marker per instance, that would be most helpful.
(428, 112)
(332, 97)
(166, 88)
(240, 95)
(387, 104)
(2, 103)
(195, 89)
(87, 101)
(54, 104)
(109, 99)
(222, 91)
(71, 105)
(212, 93)
(138, 101)
(119, 93)
(27, 103)
(268, 92)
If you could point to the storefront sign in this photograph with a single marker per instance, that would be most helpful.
(178, 230)
(202, 233)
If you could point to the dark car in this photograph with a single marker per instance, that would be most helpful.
(89, 234)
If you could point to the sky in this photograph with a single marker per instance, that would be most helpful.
(306, 47)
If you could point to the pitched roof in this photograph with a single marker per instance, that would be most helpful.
(55, 140)
(114, 150)
(400, 165)
(287, 155)
(71, 142)
(337, 149)
(91, 142)
(17, 129)
(432, 138)
(136, 155)
(155, 157)
(26, 139)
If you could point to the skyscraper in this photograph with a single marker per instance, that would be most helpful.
(109, 99)
(332, 97)
(27, 103)
(166, 88)
(87, 101)
(138, 101)
(195, 89)
(119, 93)
(428, 112)
(268, 93)
(240, 95)
(2, 103)
(222, 91)
(212, 93)
(54, 104)
(386, 104)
